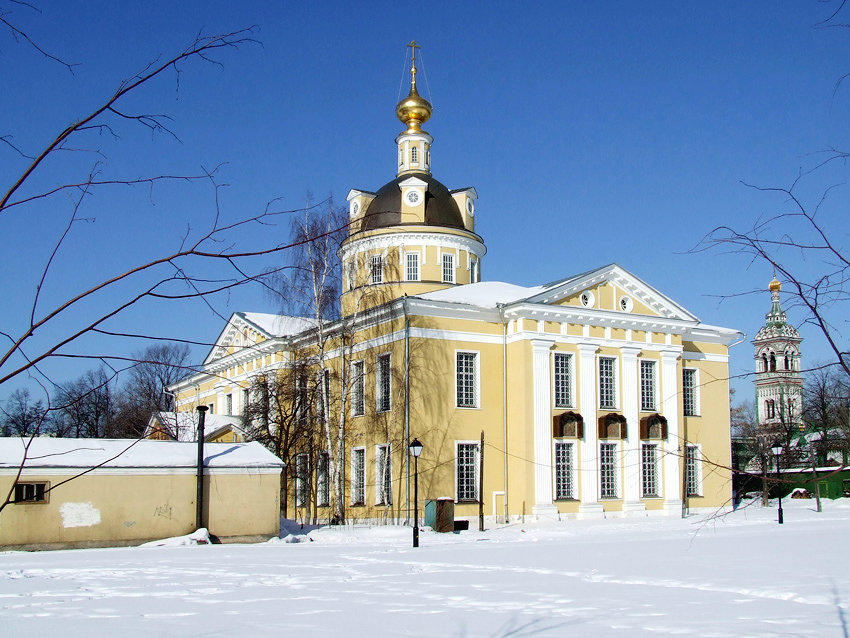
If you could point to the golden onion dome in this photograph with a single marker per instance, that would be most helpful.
(414, 110)
(775, 285)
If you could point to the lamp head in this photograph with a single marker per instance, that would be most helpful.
(415, 447)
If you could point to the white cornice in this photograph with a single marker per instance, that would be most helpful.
(413, 238)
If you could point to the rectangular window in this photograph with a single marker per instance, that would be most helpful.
(608, 482)
(473, 271)
(649, 470)
(693, 470)
(564, 470)
(448, 268)
(563, 380)
(411, 272)
(358, 476)
(376, 269)
(245, 399)
(383, 475)
(383, 387)
(607, 383)
(466, 377)
(466, 472)
(358, 389)
(647, 386)
(323, 485)
(690, 398)
(228, 404)
(31, 492)
(302, 479)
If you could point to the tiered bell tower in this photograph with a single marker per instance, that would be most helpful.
(779, 385)
(413, 235)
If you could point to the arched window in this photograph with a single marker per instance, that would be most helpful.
(770, 408)
(788, 361)
(764, 362)
(772, 362)
(414, 154)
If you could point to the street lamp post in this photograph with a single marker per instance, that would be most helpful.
(415, 451)
(777, 450)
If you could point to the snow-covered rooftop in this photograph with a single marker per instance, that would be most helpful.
(486, 294)
(278, 325)
(47, 452)
(183, 426)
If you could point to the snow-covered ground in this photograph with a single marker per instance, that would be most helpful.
(737, 575)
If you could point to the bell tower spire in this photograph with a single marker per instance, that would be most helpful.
(414, 144)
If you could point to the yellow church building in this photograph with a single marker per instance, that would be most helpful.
(595, 395)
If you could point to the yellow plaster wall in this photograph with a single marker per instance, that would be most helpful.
(140, 507)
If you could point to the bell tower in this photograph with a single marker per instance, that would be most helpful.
(779, 384)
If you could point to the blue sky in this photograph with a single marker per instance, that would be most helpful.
(593, 133)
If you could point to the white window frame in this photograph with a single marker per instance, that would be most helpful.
(693, 454)
(695, 390)
(358, 476)
(476, 380)
(615, 469)
(358, 388)
(650, 477)
(383, 484)
(650, 405)
(383, 396)
(569, 475)
(376, 269)
(476, 462)
(559, 388)
(323, 483)
(412, 271)
(473, 270)
(302, 479)
(447, 263)
(228, 403)
(615, 364)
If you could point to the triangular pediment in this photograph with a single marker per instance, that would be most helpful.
(612, 289)
(238, 333)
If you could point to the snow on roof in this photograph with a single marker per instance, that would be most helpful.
(183, 426)
(47, 452)
(486, 294)
(278, 325)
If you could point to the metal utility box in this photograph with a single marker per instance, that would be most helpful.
(440, 514)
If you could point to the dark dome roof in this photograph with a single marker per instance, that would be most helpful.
(440, 207)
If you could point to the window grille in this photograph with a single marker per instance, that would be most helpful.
(358, 476)
(563, 380)
(647, 386)
(383, 389)
(466, 381)
(649, 470)
(564, 470)
(608, 470)
(448, 268)
(467, 471)
(689, 391)
(607, 383)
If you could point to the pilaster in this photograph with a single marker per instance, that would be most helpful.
(631, 446)
(590, 507)
(540, 363)
(671, 390)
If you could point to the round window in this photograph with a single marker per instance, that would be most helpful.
(626, 303)
(413, 197)
(588, 299)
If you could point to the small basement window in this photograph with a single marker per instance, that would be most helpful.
(31, 492)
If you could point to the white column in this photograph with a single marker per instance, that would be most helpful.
(631, 446)
(671, 387)
(543, 505)
(590, 507)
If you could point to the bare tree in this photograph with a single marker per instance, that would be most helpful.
(827, 400)
(22, 415)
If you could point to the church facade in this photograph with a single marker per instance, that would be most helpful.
(595, 395)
